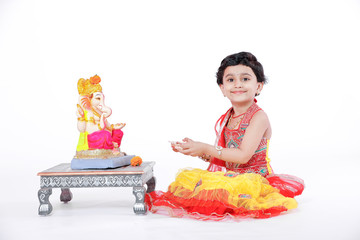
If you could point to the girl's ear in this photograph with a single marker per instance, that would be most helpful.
(260, 86)
(222, 89)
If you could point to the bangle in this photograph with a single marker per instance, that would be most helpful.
(219, 149)
(205, 157)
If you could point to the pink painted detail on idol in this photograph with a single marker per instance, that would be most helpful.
(104, 140)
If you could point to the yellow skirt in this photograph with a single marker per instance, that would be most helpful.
(215, 195)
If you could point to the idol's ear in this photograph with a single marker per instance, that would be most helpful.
(84, 102)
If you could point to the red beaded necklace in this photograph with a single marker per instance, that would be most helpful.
(237, 123)
(233, 117)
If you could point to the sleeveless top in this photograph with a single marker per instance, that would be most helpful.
(259, 162)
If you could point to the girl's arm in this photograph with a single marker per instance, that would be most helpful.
(251, 140)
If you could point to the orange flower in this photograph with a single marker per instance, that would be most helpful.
(95, 79)
(136, 161)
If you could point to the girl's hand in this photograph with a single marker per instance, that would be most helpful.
(192, 148)
(175, 146)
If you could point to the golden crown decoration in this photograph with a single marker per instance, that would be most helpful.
(89, 86)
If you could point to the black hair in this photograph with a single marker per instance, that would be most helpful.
(243, 58)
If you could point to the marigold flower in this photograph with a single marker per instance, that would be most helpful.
(136, 161)
(95, 79)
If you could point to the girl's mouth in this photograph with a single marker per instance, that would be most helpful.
(238, 92)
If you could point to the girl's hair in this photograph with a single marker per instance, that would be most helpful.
(243, 58)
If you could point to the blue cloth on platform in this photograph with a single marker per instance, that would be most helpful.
(97, 163)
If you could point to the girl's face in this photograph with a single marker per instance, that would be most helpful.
(240, 84)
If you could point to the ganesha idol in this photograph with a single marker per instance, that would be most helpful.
(99, 141)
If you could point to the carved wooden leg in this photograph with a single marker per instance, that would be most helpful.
(151, 185)
(45, 207)
(139, 206)
(66, 195)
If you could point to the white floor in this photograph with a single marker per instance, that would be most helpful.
(328, 209)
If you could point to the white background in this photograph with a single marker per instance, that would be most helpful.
(157, 60)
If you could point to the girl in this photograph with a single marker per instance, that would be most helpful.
(239, 181)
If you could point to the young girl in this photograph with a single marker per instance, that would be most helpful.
(239, 181)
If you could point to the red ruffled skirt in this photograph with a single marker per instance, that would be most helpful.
(205, 195)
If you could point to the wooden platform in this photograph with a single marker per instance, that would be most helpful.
(62, 176)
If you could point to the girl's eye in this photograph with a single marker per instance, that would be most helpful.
(246, 79)
(97, 99)
(230, 80)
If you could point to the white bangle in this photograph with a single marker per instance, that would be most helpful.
(219, 149)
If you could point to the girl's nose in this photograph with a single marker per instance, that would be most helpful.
(238, 83)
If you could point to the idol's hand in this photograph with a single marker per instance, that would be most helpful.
(102, 121)
(119, 125)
